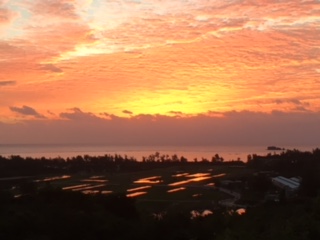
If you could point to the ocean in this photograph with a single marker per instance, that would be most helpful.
(190, 152)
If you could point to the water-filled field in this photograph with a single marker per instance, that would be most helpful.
(187, 185)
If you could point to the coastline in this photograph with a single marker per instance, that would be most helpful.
(190, 152)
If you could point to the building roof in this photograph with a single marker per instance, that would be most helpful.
(286, 182)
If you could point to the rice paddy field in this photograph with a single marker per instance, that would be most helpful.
(157, 189)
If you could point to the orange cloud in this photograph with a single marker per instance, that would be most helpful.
(53, 8)
(160, 57)
(7, 83)
(5, 16)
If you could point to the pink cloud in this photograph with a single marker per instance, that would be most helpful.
(6, 16)
(53, 8)
(61, 37)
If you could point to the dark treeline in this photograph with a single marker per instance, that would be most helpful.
(288, 162)
(292, 163)
(16, 165)
(53, 214)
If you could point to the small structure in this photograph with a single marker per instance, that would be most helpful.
(289, 185)
(272, 197)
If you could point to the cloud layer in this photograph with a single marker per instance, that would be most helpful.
(170, 57)
(229, 128)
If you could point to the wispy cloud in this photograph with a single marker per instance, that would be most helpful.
(7, 83)
(51, 68)
(127, 112)
(77, 114)
(27, 111)
(6, 15)
(53, 8)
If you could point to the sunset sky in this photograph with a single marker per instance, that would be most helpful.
(160, 71)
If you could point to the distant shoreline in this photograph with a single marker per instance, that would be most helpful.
(229, 153)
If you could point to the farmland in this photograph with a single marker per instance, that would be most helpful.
(156, 189)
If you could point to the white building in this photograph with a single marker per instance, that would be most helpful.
(290, 185)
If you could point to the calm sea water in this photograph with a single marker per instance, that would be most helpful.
(190, 152)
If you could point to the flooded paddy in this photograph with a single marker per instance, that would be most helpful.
(138, 188)
(75, 187)
(149, 180)
(94, 180)
(180, 175)
(196, 177)
(96, 192)
(197, 195)
(176, 189)
(197, 214)
(155, 189)
(135, 194)
(89, 187)
(154, 186)
(53, 178)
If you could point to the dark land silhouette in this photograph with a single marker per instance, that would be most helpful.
(43, 210)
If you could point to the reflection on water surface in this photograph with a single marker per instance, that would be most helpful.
(195, 179)
(219, 175)
(149, 180)
(176, 189)
(180, 175)
(96, 192)
(138, 188)
(198, 179)
(197, 195)
(88, 187)
(180, 183)
(196, 214)
(94, 180)
(53, 178)
(95, 177)
(241, 211)
(136, 194)
(197, 175)
(75, 186)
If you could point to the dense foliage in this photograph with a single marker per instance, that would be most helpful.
(50, 213)
(55, 214)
